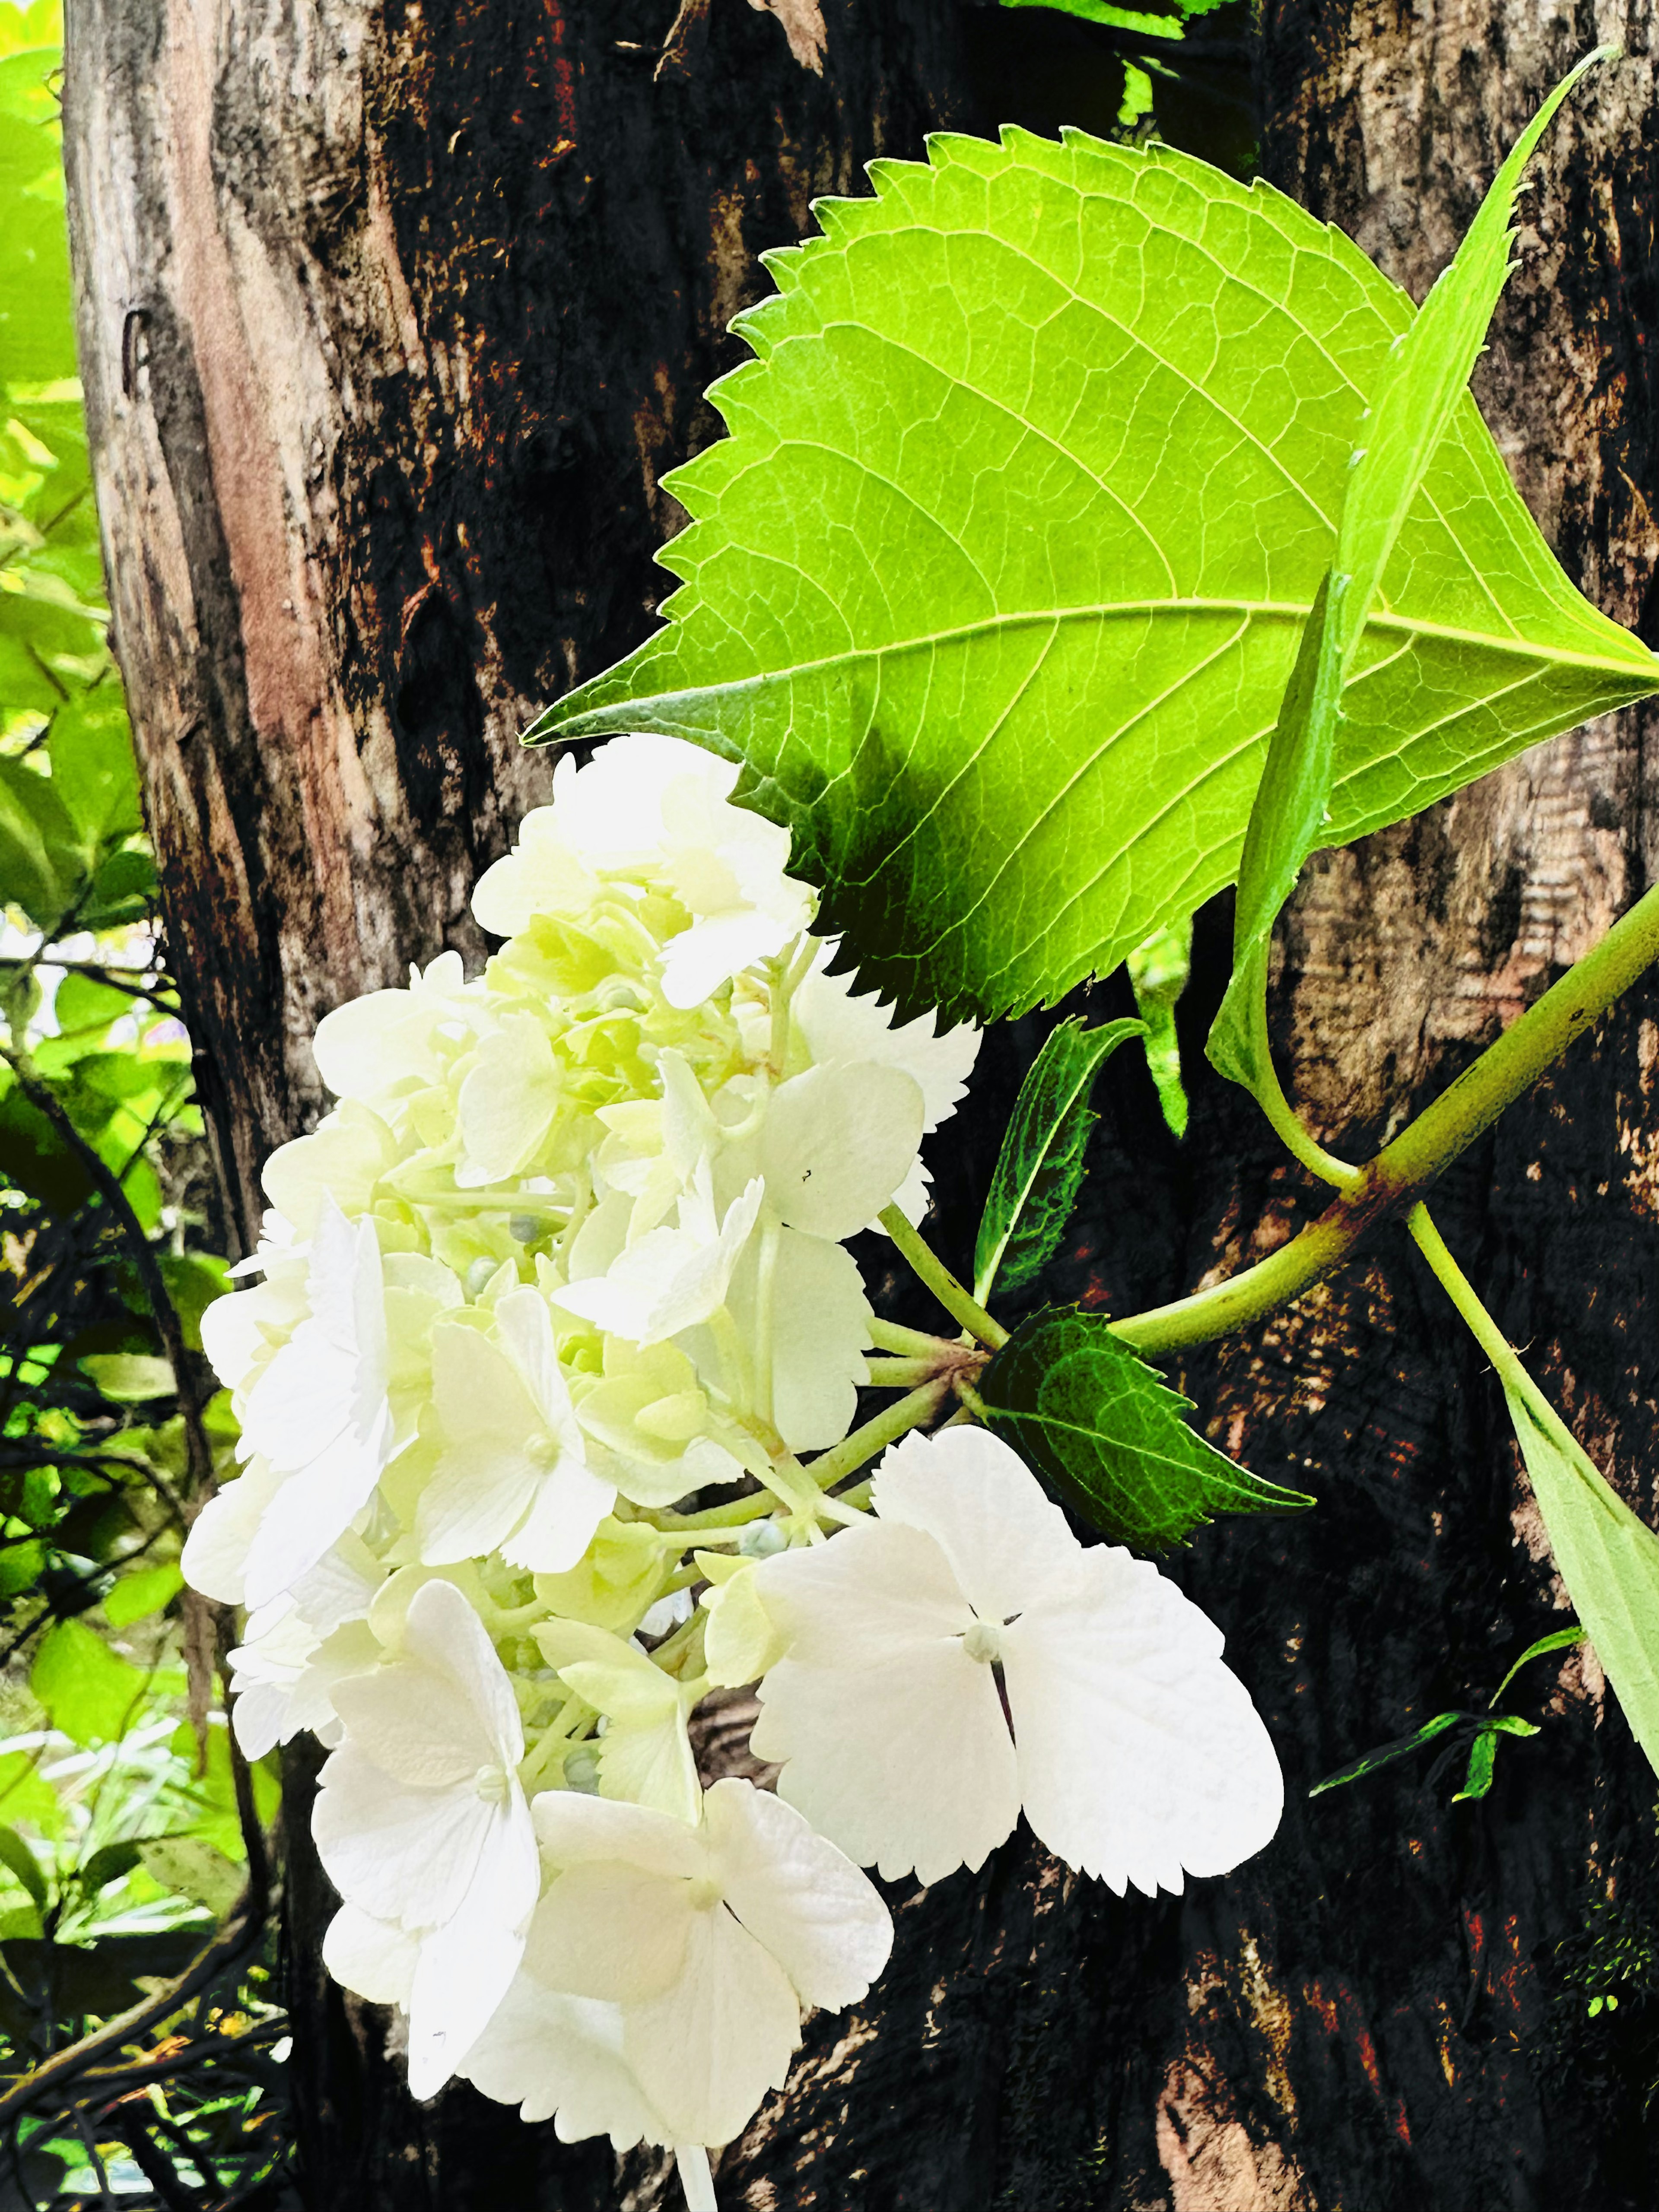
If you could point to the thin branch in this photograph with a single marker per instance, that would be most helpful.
(116, 2081)
(230, 1944)
(152, 2162)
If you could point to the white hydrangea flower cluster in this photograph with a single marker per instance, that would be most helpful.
(569, 1252)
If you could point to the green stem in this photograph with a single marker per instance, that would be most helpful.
(1485, 1330)
(1285, 1122)
(829, 1467)
(1403, 1170)
(953, 1295)
(893, 1422)
(890, 1336)
(900, 1374)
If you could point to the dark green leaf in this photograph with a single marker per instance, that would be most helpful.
(112, 1862)
(1557, 1640)
(17, 1855)
(34, 1156)
(1039, 1169)
(38, 867)
(1483, 1755)
(1400, 1746)
(1106, 1433)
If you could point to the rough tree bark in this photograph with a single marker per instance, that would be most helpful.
(391, 320)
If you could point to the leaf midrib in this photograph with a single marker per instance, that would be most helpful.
(1294, 611)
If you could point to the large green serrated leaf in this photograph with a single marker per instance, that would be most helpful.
(996, 584)
(1107, 1434)
(1039, 1169)
(1609, 1561)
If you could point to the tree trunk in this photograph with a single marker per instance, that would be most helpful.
(390, 323)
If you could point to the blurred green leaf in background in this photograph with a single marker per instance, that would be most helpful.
(125, 1814)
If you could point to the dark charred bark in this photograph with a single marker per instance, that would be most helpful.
(416, 311)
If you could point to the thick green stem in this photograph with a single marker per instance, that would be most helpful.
(893, 1422)
(1404, 1169)
(956, 1298)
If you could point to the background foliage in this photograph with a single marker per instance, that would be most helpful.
(122, 1844)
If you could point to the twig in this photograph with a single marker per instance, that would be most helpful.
(114, 2081)
(155, 2167)
(230, 1945)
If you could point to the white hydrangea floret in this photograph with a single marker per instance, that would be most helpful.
(420, 1822)
(1133, 1751)
(319, 1419)
(710, 1938)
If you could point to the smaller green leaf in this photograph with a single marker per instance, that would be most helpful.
(135, 1596)
(1284, 820)
(1039, 1168)
(1557, 1640)
(192, 1866)
(112, 1862)
(1609, 1561)
(1400, 1746)
(1483, 1755)
(88, 1691)
(129, 1378)
(1106, 1434)
(1158, 974)
(17, 1855)
(1423, 380)
(81, 1004)
(1483, 1759)
(1142, 21)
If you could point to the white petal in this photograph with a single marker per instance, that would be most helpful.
(906, 1765)
(216, 1550)
(1009, 1546)
(569, 1506)
(865, 1598)
(443, 1630)
(710, 2047)
(611, 1931)
(560, 2058)
(371, 1957)
(259, 1718)
(542, 875)
(699, 959)
(231, 1334)
(837, 1143)
(507, 1100)
(478, 1493)
(311, 1511)
(577, 1831)
(416, 1725)
(839, 1026)
(820, 1324)
(1140, 1753)
(822, 1920)
(465, 1969)
(406, 1855)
